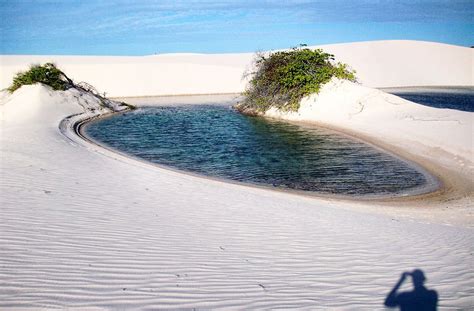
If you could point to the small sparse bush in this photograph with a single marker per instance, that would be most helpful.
(50, 75)
(47, 74)
(282, 79)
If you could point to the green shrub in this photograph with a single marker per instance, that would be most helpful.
(282, 79)
(47, 74)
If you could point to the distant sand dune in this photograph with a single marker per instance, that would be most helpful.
(378, 64)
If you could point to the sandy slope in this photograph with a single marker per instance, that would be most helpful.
(378, 64)
(442, 136)
(82, 227)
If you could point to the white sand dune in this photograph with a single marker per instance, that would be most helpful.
(378, 64)
(86, 228)
(443, 136)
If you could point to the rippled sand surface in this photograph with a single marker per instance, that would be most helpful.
(82, 228)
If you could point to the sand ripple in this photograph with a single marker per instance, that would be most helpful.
(82, 230)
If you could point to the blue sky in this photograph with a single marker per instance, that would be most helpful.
(146, 27)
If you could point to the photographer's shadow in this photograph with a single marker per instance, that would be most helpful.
(420, 298)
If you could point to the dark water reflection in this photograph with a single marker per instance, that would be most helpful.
(459, 98)
(214, 140)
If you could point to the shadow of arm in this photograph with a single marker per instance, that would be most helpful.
(392, 299)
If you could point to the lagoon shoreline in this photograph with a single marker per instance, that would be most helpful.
(443, 184)
(436, 184)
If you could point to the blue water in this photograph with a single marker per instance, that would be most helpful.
(459, 98)
(214, 140)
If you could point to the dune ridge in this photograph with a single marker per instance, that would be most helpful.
(378, 64)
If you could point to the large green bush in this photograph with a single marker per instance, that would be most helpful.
(47, 74)
(282, 79)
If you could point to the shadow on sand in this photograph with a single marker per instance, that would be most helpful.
(420, 298)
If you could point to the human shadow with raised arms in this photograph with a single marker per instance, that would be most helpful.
(419, 299)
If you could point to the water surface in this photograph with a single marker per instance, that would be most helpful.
(214, 140)
(459, 98)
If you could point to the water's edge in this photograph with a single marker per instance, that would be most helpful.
(432, 186)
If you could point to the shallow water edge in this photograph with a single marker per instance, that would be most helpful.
(433, 187)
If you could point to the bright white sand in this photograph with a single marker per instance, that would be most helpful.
(83, 227)
(443, 136)
(378, 64)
